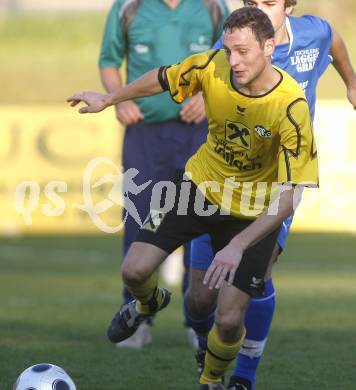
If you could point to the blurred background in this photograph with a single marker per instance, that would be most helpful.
(59, 280)
(50, 49)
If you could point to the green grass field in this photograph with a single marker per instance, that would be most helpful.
(57, 296)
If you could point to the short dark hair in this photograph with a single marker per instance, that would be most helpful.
(287, 3)
(253, 18)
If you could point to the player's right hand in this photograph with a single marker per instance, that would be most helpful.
(95, 102)
(128, 113)
(223, 266)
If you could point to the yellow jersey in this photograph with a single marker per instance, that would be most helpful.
(253, 142)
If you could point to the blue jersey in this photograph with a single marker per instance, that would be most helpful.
(306, 56)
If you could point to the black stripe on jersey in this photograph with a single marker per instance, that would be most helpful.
(218, 357)
(295, 124)
(286, 160)
(162, 79)
(286, 151)
(313, 151)
(254, 96)
(185, 82)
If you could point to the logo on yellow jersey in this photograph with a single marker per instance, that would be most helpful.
(238, 133)
(236, 158)
(240, 110)
(262, 132)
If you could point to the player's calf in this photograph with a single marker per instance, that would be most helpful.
(199, 300)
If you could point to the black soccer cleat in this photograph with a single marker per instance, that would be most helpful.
(238, 383)
(125, 322)
(128, 319)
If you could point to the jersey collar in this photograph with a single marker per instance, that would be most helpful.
(255, 96)
(283, 46)
(290, 33)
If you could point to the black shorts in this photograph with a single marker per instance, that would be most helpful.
(170, 230)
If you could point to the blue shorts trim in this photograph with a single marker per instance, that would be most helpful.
(201, 253)
(284, 232)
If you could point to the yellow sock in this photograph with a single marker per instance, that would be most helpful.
(218, 357)
(144, 294)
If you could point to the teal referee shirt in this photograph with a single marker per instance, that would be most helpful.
(158, 35)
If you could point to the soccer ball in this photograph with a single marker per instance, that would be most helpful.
(44, 377)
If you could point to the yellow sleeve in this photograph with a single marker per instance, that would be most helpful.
(184, 79)
(297, 155)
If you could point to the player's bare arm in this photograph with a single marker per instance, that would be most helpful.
(146, 85)
(343, 65)
(228, 259)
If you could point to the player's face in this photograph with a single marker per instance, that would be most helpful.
(246, 56)
(275, 9)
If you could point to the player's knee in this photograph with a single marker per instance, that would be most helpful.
(198, 302)
(229, 323)
(131, 275)
(198, 299)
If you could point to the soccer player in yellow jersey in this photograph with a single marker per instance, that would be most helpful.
(260, 139)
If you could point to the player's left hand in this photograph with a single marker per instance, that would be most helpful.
(225, 263)
(351, 95)
(193, 110)
(95, 102)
